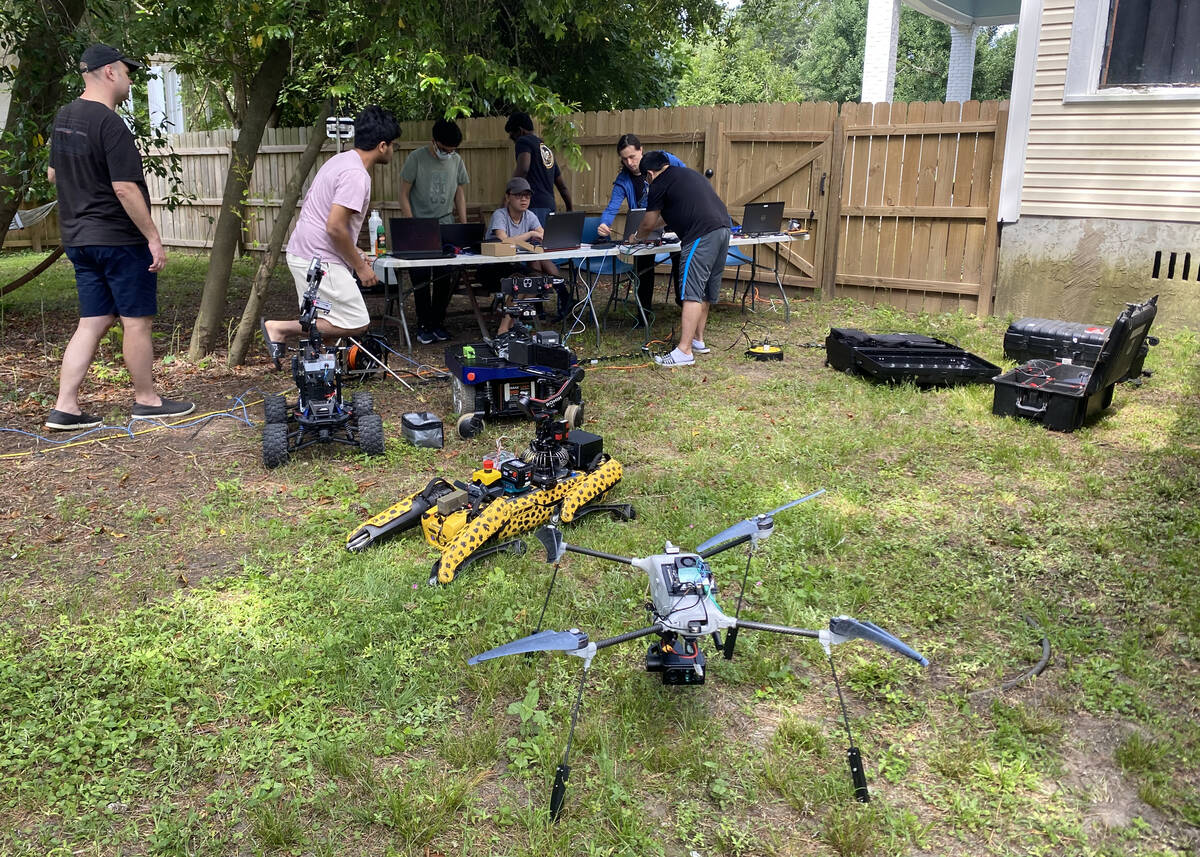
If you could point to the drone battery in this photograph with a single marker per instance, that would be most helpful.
(515, 475)
(583, 448)
(422, 429)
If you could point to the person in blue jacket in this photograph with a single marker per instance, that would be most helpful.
(631, 187)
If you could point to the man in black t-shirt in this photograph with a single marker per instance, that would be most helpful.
(537, 165)
(683, 200)
(104, 218)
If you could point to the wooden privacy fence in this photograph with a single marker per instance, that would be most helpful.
(900, 199)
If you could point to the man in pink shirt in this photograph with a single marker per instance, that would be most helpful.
(328, 226)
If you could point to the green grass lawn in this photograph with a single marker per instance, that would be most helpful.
(192, 664)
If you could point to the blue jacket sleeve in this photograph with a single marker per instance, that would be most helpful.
(619, 194)
(674, 161)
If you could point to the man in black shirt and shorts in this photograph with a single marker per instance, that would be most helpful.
(104, 217)
(537, 165)
(683, 200)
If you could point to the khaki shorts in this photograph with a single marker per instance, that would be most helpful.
(338, 286)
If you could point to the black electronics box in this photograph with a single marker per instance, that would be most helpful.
(1075, 342)
(1063, 395)
(524, 352)
(900, 357)
(583, 448)
(516, 474)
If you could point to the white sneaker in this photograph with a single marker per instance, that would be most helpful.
(675, 358)
(698, 347)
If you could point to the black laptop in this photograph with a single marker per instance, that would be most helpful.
(762, 218)
(416, 238)
(563, 231)
(462, 237)
(633, 222)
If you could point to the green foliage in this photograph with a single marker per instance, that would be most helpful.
(772, 50)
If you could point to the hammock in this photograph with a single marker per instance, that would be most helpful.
(27, 218)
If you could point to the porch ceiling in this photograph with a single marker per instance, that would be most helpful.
(960, 13)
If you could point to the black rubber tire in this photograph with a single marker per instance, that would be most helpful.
(362, 403)
(275, 409)
(370, 434)
(275, 445)
(573, 414)
(469, 425)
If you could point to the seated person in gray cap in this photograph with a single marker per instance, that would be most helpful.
(515, 221)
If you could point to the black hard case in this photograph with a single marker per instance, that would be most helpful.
(900, 357)
(1062, 395)
(1075, 342)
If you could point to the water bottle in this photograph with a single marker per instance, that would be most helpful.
(375, 229)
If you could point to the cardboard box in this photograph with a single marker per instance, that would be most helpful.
(497, 248)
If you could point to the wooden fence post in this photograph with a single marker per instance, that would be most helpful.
(991, 232)
(833, 209)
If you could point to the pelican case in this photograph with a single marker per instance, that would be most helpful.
(900, 357)
(1061, 394)
(1046, 339)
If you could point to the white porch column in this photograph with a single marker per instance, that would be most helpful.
(173, 93)
(879, 56)
(962, 63)
(157, 97)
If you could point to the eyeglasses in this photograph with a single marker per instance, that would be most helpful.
(521, 194)
(445, 150)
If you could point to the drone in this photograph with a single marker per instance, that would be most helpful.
(683, 610)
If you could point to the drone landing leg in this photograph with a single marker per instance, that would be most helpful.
(857, 774)
(542, 615)
(731, 637)
(563, 772)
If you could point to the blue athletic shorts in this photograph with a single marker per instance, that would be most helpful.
(115, 280)
(703, 267)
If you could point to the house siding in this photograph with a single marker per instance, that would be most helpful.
(1131, 160)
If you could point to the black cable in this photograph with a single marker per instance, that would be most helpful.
(1035, 670)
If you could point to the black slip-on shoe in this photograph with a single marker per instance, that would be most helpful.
(168, 408)
(62, 421)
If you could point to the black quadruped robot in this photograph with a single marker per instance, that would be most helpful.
(319, 414)
(489, 378)
(683, 611)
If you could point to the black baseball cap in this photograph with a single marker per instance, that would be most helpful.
(98, 56)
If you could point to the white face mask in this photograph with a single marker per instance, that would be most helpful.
(443, 156)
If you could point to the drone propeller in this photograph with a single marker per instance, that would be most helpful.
(746, 529)
(542, 641)
(848, 628)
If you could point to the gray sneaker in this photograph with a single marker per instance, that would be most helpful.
(168, 408)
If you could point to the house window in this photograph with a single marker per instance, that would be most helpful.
(1134, 50)
(1152, 42)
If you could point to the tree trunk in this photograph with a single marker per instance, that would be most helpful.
(264, 90)
(287, 213)
(37, 93)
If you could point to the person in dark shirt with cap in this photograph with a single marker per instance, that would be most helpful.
(109, 236)
(537, 165)
(683, 200)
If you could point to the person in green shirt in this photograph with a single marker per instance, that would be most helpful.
(431, 185)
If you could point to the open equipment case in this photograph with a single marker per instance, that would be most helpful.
(900, 357)
(1062, 394)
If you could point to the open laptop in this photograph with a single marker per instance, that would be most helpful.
(632, 221)
(762, 218)
(415, 238)
(563, 231)
(463, 237)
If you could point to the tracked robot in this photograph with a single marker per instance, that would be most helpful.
(683, 611)
(564, 472)
(320, 415)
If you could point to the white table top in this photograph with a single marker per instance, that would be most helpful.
(584, 252)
